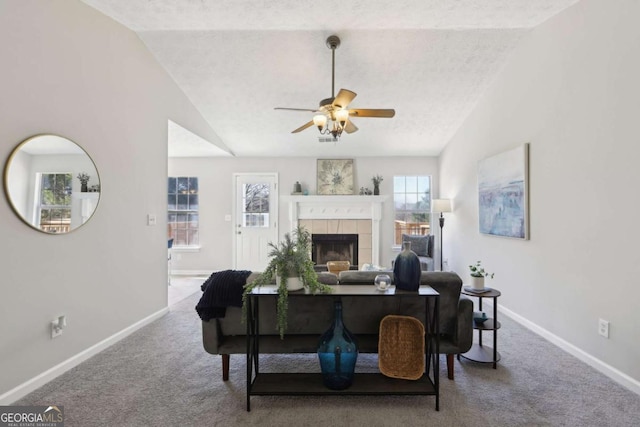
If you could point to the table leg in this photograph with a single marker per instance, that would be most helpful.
(249, 349)
(479, 330)
(495, 333)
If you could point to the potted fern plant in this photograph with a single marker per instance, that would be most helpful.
(292, 269)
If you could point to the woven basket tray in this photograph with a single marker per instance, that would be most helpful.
(401, 347)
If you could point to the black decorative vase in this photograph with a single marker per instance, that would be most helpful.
(406, 269)
(376, 190)
(338, 352)
(83, 187)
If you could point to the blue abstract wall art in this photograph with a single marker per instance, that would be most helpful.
(503, 193)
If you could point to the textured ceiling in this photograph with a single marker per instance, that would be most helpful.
(431, 60)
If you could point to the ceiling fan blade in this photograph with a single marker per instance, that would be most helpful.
(343, 98)
(369, 112)
(350, 127)
(303, 127)
(314, 110)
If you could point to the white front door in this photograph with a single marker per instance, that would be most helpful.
(255, 219)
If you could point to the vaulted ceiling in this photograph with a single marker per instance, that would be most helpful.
(430, 60)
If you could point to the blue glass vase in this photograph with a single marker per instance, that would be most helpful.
(406, 269)
(338, 352)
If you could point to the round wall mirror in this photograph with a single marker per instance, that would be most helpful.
(52, 184)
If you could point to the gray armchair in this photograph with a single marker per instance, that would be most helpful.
(422, 245)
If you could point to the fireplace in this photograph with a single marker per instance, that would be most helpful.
(334, 247)
(342, 214)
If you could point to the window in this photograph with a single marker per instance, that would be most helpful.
(412, 205)
(255, 199)
(183, 211)
(54, 202)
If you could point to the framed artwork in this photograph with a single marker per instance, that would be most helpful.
(503, 193)
(335, 176)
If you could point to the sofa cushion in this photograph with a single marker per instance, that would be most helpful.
(327, 278)
(359, 277)
(324, 277)
(419, 244)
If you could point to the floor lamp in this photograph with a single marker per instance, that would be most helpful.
(441, 205)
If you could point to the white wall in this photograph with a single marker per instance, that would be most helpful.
(216, 198)
(571, 90)
(69, 70)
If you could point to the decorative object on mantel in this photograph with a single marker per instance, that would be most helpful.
(376, 184)
(338, 353)
(365, 191)
(292, 268)
(477, 276)
(297, 188)
(84, 179)
(335, 176)
(406, 269)
(441, 205)
(503, 200)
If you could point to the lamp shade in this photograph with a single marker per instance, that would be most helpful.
(441, 205)
(342, 116)
(320, 120)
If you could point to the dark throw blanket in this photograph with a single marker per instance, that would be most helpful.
(221, 290)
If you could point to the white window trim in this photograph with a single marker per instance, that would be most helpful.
(186, 249)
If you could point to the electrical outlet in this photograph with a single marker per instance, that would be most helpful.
(603, 328)
(151, 220)
(57, 325)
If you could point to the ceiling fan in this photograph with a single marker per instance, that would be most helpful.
(335, 108)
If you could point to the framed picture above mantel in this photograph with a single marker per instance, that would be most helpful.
(335, 177)
(503, 194)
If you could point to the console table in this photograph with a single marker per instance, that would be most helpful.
(288, 383)
(478, 352)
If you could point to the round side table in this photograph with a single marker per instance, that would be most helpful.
(479, 352)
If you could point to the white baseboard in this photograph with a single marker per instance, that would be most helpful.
(608, 370)
(192, 272)
(48, 375)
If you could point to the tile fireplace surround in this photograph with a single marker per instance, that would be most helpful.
(359, 215)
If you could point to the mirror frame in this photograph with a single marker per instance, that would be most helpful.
(10, 200)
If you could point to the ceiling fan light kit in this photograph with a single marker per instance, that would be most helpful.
(334, 109)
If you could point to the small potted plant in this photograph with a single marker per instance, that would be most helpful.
(292, 268)
(376, 184)
(84, 179)
(477, 276)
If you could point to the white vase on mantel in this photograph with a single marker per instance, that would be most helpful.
(477, 283)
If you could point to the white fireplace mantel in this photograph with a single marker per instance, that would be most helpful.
(340, 207)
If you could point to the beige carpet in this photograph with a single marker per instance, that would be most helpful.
(161, 376)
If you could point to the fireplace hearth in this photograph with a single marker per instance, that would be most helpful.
(334, 247)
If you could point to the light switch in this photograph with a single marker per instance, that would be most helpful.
(151, 219)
